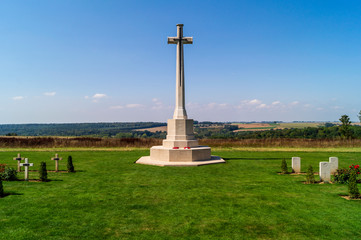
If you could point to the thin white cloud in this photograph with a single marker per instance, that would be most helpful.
(276, 103)
(96, 97)
(214, 105)
(117, 107)
(156, 101)
(133, 105)
(262, 105)
(99, 95)
(17, 98)
(255, 102)
(50, 94)
(250, 104)
(294, 102)
(157, 104)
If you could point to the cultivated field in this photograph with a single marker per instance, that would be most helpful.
(110, 197)
(254, 127)
(154, 129)
(299, 125)
(269, 126)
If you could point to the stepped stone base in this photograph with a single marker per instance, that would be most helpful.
(196, 156)
(180, 134)
(180, 148)
(160, 153)
(147, 161)
(180, 143)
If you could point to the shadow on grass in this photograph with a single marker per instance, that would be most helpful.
(11, 193)
(38, 180)
(59, 171)
(254, 158)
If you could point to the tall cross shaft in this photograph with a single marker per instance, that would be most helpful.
(180, 111)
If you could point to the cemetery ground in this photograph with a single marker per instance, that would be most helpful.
(110, 197)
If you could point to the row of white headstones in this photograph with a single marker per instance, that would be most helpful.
(26, 164)
(326, 168)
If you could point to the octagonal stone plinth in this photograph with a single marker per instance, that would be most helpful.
(161, 153)
(147, 161)
(196, 156)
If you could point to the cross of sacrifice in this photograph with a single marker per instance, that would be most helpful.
(26, 165)
(180, 111)
(56, 159)
(18, 158)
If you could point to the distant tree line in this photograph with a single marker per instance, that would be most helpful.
(202, 130)
(76, 129)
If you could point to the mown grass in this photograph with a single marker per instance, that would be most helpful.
(110, 197)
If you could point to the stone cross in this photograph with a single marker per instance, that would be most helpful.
(56, 159)
(334, 164)
(325, 173)
(26, 165)
(180, 111)
(18, 158)
(296, 164)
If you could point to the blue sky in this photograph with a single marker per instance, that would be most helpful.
(109, 61)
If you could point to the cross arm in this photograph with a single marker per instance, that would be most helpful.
(173, 40)
(187, 40)
(26, 164)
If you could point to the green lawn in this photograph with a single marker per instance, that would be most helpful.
(110, 197)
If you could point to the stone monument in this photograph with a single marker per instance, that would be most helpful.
(180, 148)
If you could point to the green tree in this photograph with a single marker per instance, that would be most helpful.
(353, 191)
(345, 128)
(1, 189)
(43, 173)
(70, 165)
(359, 116)
(284, 169)
(310, 177)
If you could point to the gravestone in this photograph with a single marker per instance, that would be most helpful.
(18, 158)
(325, 173)
(334, 164)
(26, 165)
(180, 148)
(56, 159)
(296, 164)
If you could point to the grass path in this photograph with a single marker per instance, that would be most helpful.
(110, 197)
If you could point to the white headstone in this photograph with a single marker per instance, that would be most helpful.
(26, 165)
(296, 164)
(334, 164)
(325, 173)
